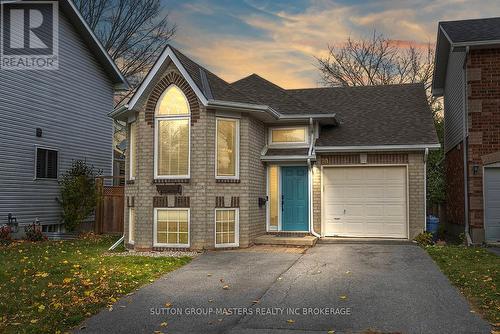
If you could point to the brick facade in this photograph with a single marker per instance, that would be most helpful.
(415, 165)
(483, 90)
(200, 191)
(454, 171)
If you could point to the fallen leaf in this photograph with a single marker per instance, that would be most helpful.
(209, 275)
(256, 302)
(290, 321)
(343, 297)
(226, 287)
(168, 304)
(331, 331)
(41, 308)
(34, 321)
(347, 272)
(163, 324)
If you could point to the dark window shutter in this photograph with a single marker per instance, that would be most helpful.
(46, 163)
(52, 164)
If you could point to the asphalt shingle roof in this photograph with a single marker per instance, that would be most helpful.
(472, 30)
(374, 115)
(218, 88)
(268, 93)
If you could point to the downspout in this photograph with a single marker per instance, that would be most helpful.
(426, 155)
(465, 155)
(311, 178)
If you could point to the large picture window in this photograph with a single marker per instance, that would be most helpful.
(228, 133)
(172, 148)
(226, 228)
(171, 227)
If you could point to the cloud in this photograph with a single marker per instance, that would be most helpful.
(279, 42)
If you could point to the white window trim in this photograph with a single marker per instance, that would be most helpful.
(236, 228)
(134, 150)
(304, 143)
(171, 117)
(237, 162)
(36, 162)
(155, 228)
(130, 209)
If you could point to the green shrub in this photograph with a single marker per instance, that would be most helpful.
(424, 239)
(78, 193)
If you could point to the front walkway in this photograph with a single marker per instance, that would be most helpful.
(341, 287)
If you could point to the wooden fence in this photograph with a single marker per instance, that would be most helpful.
(110, 208)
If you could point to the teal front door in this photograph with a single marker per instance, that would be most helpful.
(294, 202)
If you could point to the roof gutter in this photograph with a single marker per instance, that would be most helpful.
(418, 147)
(118, 112)
(288, 158)
(243, 106)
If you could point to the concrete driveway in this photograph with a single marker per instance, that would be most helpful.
(348, 288)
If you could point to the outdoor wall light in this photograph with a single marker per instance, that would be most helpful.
(475, 169)
(39, 132)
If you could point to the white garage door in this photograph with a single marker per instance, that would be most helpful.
(365, 202)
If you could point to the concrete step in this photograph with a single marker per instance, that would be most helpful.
(268, 239)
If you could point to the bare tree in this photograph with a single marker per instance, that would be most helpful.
(132, 31)
(375, 61)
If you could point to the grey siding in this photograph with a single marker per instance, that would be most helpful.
(454, 100)
(70, 106)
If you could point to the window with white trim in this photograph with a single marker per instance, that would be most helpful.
(131, 225)
(171, 227)
(172, 135)
(227, 148)
(132, 150)
(288, 135)
(227, 228)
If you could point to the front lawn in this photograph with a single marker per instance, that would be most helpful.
(476, 272)
(51, 286)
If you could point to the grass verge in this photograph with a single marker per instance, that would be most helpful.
(476, 272)
(51, 286)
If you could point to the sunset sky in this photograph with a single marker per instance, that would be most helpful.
(278, 39)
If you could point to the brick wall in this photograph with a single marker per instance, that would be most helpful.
(454, 171)
(202, 187)
(483, 86)
(415, 162)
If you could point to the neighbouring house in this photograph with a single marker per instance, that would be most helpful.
(467, 75)
(213, 164)
(52, 117)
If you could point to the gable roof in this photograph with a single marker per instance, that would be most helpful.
(374, 115)
(268, 93)
(213, 91)
(93, 43)
(456, 36)
(473, 30)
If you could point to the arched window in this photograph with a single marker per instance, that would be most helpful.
(172, 134)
